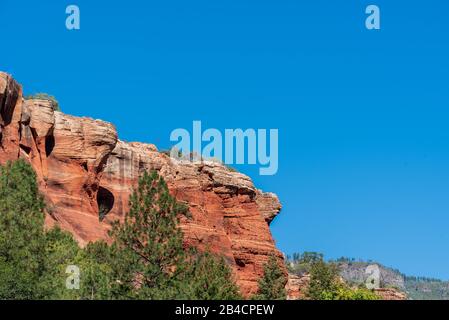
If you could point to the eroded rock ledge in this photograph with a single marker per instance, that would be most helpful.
(86, 175)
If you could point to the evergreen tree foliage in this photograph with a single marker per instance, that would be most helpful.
(22, 239)
(149, 242)
(98, 280)
(323, 279)
(61, 251)
(209, 277)
(151, 261)
(147, 258)
(272, 284)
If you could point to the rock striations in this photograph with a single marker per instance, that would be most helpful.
(86, 176)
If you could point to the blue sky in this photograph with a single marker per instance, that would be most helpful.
(362, 115)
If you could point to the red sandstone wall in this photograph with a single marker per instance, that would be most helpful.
(76, 157)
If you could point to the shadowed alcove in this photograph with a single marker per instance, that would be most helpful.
(49, 145)
(105, 201)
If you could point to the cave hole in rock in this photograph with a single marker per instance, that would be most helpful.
(49, 145)
(105, 201)
(240, 262)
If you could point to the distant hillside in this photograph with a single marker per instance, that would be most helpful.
(354, 272)
(427, 289)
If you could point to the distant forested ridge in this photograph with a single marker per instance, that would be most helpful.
(353, 271)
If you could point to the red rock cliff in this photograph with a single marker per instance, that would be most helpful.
(81, 166)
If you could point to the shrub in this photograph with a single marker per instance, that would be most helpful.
(45, 96)
(344, 292)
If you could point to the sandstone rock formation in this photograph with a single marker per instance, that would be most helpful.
(86, 175)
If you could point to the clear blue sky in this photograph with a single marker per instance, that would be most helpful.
(362, 115)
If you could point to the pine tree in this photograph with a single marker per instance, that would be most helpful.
(93, 262)
(323, 280)
(149, 258)
(22, 239)
(272, 284)
(97, 278)
(148, 243)
(209, 277)
(32, 262)
(61, 251)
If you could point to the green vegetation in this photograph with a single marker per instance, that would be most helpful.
(22, 240)
(210, 278)
(146, 259)
(325, 284)
(344, 292)
(301, 264)
(325, 281)
(272, 284)
(353, 271)
(45, 96)
(61, 250)
(149, 251)
(422, 288)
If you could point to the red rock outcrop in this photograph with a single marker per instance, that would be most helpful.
(82, 167)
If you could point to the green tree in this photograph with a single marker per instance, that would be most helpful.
(97, 281)
(323, 280)
(93, 262)
(147, 259)
(22, 239)
(33, 262)
(61, 250)
(301, 263)
(150, 261)
(149, 244)
(311, 257)
(209, 277)
(325, 284)
(272, 284)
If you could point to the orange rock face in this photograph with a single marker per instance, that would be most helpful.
(85, 172)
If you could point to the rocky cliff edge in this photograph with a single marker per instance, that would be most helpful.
(84, 171)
